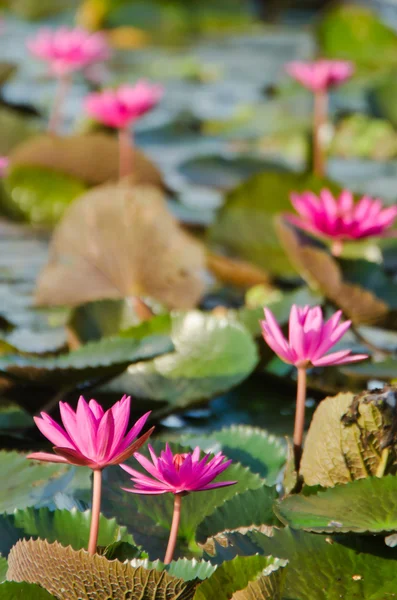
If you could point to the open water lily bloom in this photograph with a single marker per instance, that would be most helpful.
(90, 436)
(177, 473)
(320, 75)
(68, 50)
(341, 218)
(119, 107)
(310, 338)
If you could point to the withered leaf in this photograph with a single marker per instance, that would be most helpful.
(72, 575)
(118, 241)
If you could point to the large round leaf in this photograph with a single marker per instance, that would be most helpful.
(10, 590)
(362, 506)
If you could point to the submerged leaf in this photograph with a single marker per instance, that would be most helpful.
(118, 241)
(75, 575)
(351, 437)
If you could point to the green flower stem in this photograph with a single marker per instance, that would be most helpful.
(299, 416)
(96, 510)
(174, 529)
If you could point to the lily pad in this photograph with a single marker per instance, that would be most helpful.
(362, 506)
(244, 225)
(15, 127)
(14, 591)
(38, 195)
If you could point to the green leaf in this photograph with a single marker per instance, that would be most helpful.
(212, 354)
(255, 448)
(75, 575)
(23, 591)
(323, 567)
(385, 370)
(356, 33)
(15, 128)
(28, 483)
(96, 359)
(64, 526)
(190, 569)
(40, 196)
(253, 507)
(3, 568)
(237, 574)
(14, 417)
(244, 226)
(363, 506)
(349, 438)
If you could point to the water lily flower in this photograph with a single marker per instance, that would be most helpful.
(4, 163)
(341, 219)
(92, 438)
(68, 50)
(310, 339)
(179, 474)
(121, 107)
(319, 76)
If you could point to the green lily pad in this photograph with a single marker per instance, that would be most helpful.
(10, 590)
(362, 506)
(39, 196)
(257, 449)
(68, 527)
(385, 370)
(265, 574)
(3, 568)
(96, 359)
(244, 225)
(14, 417)
(15, 129)
(212, 354)
(322, 567)
(253, 507)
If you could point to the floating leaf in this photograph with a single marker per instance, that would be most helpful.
(255, 448)
(253, 507)
(362, 506)
(118, 241)
(68, 527)
(384, 370)
(325, 274)
(39, 196)
(109, 357)
(14, 591)
(244, 226)
(75, 575)
(3, 568)
(15, 129)
(349, 438)
(212, 354)
(92, 158)
(322, 567)
(14, 417)
(264, 576)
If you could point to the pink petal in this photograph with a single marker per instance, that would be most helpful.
(52, 431)
(47, 457)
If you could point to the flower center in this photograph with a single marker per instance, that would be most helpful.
(178, 460)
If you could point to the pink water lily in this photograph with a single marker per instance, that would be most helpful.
(90, 436)
(68, 50)
(119, 107)
(177, 473)
(4, 164)
(319, 75)
(341, 219)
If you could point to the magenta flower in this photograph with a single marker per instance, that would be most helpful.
(90, 436)
(4, 163)
(120, 107)
(341, 219)
(320, 75)
(310, 338)
(179, 473)
(69, 50)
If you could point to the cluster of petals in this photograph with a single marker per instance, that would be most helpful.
(319, 75)
(119, 107)
(69, 50)
(177, 473)
(341, 218)
(310, 338)
(90, 436)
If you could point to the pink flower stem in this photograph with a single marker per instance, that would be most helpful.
(337, 248)
(95, 511)
(63, 85)
(299, 416)
(320, 117)
(126, 152)
(174, 529)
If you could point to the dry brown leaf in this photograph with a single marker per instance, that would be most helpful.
(119, 241)
(322, 272)
(93, 157)
(235, 271)
(72, 575)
